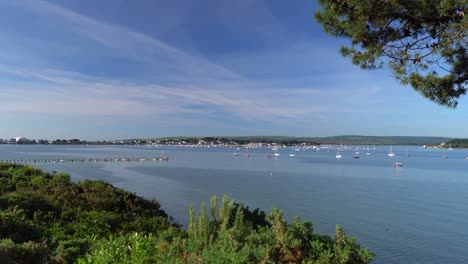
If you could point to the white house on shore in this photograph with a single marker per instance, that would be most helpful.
(20, 140)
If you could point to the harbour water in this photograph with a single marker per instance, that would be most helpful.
(414, 214)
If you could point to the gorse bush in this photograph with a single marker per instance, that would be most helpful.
(49, 218)
(230, 237)
(46, 218)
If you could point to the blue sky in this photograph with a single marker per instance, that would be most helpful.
(126, 69)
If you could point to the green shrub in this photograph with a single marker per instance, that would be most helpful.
(46, 218)
(229, 238)
(29, 252)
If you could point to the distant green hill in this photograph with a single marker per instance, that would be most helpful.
(383, 140)
(344, 139)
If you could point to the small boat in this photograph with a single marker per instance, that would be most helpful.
(338, 155)
(292, 153)
(391, 153)
(397, 164)
(235, 154)
(355, 157)
(356, 151)
(444, 156)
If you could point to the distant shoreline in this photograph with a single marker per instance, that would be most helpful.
(246, 140)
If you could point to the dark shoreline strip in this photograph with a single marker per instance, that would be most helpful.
(88, 160)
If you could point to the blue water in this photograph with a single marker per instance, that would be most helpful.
(414, 214)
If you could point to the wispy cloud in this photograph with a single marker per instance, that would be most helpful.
(197, 81)
(173, 84)
(151, 51)
(53, 91)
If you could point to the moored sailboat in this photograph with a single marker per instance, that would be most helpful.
(397, 164)
(338, 155)
(391, 153)
(292, 153)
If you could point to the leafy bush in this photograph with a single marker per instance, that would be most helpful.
(29, 252)
(41, 211)
(230, 238)
(46, 218)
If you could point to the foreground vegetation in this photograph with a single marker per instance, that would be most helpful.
(46, 218)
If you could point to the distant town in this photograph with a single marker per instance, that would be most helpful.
(258, 141)
(24, 140)
(205, 141)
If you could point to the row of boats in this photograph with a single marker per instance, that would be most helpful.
(390, 154)
(338, 156)
(276, 153)
(356, 156)
(81, 160)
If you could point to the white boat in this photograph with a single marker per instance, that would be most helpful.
(397, 163)
(292, 153)
(356, 151)
(338, 155)
(390, 153)
(276, 153)
(444, 156)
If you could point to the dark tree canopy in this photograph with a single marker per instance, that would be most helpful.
(424, 42)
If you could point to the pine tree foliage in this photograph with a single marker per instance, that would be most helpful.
(424, 42)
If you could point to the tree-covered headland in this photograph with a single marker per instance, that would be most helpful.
(47, 218)
(457, 143)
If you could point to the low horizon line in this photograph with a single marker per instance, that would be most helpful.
(226, 136)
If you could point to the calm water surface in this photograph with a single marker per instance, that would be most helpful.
(414, 214)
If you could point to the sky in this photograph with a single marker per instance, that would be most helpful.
(115, 69)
